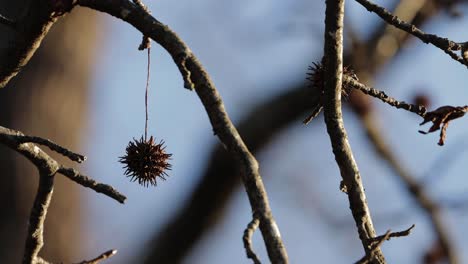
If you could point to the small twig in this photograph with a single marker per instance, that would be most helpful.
(379, 240)
(7, 22)
(53, 146)
(315, 112)
(247, 238)
(85, 181)
(417, 109)
(34, 239)
(403, 233)
(444, 44)
(101, 257)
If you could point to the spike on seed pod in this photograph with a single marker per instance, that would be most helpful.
(145, 161)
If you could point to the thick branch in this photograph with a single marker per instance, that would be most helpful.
(333, 117)
(195, 77)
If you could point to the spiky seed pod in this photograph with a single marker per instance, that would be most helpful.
(145, 161)
(316, 78)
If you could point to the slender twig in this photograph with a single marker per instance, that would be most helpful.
(35, 239)
(85, 181)
(101, 257)
(52, 146)
(247, 239)
(417, 109)
(195, 77)
(402, 233)
(333, 51)
(379, 240)
(444, 44)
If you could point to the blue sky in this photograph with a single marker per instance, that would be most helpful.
(253, 50)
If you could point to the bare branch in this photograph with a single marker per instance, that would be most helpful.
(195, 77)
(85, 181)
(333, 117)
(247, 239)
(403, 233)
(417, 109)
(444, 44)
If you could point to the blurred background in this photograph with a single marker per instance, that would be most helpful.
(84, 89)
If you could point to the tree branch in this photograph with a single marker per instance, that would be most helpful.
(444, 44)
(195, 77)
(333, 51)
(417, 109)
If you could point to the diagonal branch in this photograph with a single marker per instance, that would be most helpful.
(195, 77)
(333, 51)
(444, 44)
